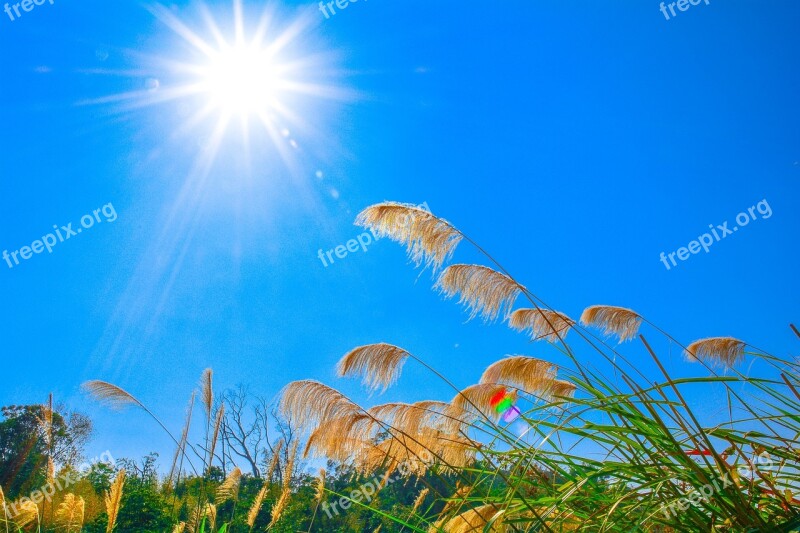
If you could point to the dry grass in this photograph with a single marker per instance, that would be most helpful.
(409, 418)
(725, 351)
(308, 402)
(473, 520)
(543, 324)
(429, 240)
(379, 364)
(419, 499)
(473, 403)
(112, 499)
(559, 388)
(319, 486)
(229, 489)
(207, 391)
(283, 499)
(110, 395)
(184, 439)
(526, 373)
(273, 464)
(339, 438)
(618, 321)
(215, 434)
(27, 513)
(483, 291)
(210, 512)
(69, 515)
(258, 502)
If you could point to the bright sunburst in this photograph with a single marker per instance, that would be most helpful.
(259, 74)
(242, 79)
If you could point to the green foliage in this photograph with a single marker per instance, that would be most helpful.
(24, 450)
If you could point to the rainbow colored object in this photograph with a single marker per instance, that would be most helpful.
(504, 403)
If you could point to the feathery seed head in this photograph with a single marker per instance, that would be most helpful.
(70, 513)
(726, 351)
(308, 402)
(229, 489)
(482, 291)
(207, 390)
(113, 499)
(614, 320)
(527, 373)
(110, 395)
(320, 486)
(255, 508)
(475, 520)
(378, 364)
(544, 324)
(429, 240)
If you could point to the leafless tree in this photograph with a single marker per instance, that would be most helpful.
(251, 430)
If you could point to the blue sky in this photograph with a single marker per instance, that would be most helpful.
(575, 141)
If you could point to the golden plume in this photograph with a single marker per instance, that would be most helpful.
(180, 527)
(559, 388)
(211, 513)
(215, 434)
(723, 350)
(527, 373)
(70, 513)
(273, 464)
(283, 499)
(278, 508)
(110, 395)
(474, 402)
(308, 401)
(458, 498)
(195, 518)
(409, 418)
(614, 320)
(51, 471)
(289, 469)
(476, 519)
(26, 513)
(420, 498)
(229, 489)
(184, 439)
(544, 324)
(113, 498)
(429, 240)
(207, 391)
(339, 438)
(320, 486)
(4, 513)
(46, 421)
(378, 364)
(483, 291)
(255, 508)
(414, 455)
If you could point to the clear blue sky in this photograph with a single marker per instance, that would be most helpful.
(574, 140)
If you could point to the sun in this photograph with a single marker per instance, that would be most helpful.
(256, 71)
(242, 80)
